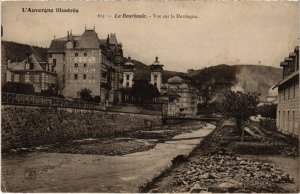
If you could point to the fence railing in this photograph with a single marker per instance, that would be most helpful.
(32, 100)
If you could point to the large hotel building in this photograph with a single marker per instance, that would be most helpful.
(88, 62)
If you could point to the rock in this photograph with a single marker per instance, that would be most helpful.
(197, 188)
(204, 176)
(185, 183)
(238, 158)
(231, 185)
(243, 162)
(217, 189)
(156, 190)
(213, 176)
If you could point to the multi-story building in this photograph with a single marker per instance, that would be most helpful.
(88, 62)
(183, 96)
(128, 73)
(156, 74)
(288, 95)
(33, 71)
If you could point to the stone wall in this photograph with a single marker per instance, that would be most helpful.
(33, 126)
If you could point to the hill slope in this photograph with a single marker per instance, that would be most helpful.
(248, 78)
(17, 51)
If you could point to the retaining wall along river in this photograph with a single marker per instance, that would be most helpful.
(33, 126)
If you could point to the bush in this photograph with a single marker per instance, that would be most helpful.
(19, 88)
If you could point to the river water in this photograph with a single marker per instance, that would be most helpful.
(62, 172)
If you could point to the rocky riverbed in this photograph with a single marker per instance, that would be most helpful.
(227, 173)
(216, 166)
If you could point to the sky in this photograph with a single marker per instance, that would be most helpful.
(223, 33)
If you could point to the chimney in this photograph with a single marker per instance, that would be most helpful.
(68, 35)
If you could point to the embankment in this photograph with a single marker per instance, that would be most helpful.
(33, 126)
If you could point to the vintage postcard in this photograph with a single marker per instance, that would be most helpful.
(150, 96)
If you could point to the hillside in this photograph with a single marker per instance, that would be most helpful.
(248, 78)
(17, 51)
(257, 78)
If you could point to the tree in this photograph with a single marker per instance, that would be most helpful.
(268, 111)
(240, 106)
(51, 91)
(85, 94)
(143, 91)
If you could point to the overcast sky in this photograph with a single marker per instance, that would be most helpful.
(224, 32)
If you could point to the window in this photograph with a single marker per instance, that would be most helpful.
(75, 76)
(54, 62)
(288, 121)
(155, 84)
(76, 65)
(283, 120)
(279, 96)
(16, 78)
(85, 54)
(27, 78)
(76, 54)
(84, 65)
(155, 77)
(284, 94)
(27, 66)
(279, 121)
(294, 91)
(127, 77)
(127, 84)
(84, 76)
(293, 122)
(289, 93)
(50, 55)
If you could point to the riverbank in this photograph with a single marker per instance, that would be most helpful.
(217, 166)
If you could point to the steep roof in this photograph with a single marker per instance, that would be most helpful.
(89, 40)
(57, 46)
(19, 66)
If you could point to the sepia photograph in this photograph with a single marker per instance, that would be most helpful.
(150, 96)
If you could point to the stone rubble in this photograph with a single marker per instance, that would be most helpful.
(227, 173)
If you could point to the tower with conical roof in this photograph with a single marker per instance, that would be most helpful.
(128, 73)
(156, 74)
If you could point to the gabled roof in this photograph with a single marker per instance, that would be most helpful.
(19, 66)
